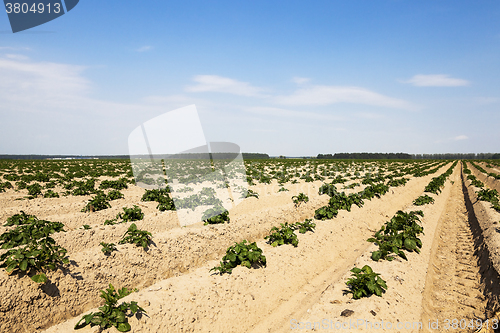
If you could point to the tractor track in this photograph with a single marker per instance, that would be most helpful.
(459, 270)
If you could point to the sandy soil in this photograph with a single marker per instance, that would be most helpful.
(299, 285)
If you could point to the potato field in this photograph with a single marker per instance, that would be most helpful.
(311, 245)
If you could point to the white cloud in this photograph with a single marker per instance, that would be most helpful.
(369, 115)
(270, 111)
(436, 80)
(44, 83)
(325, 95)
(215, 83)
(487, 100)
(16, 56)
(300, 80)
(460, 137)
(144, 48)
(14, 48)
(168, 99)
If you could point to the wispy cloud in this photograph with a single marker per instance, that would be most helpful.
(369, 115)
(40, 83)
(436, 80)
(325, 95)
(10, 48)
(460, 138)
(215, 83)
(16, 56)
(284, 113)
(300, 80)
(145, 48)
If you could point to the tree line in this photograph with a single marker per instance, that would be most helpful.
(405, 156)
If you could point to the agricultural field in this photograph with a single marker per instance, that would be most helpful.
(307, 245)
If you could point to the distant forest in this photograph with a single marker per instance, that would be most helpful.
(405, 156)
(102, 157)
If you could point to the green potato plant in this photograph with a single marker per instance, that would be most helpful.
(215, 215)
(112, 314)
(298, 199)
(30, 248)
(107, 248)
(399, 234)
(423, 200)
(305, 226)
(245, 254)
(364, 283)
(114, 195)
(283, 235)
(50, 194)
(131, 214)
(136, 236)
(99, 202)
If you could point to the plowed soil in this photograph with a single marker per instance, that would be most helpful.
(300, 289)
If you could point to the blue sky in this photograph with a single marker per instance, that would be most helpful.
(281, 77)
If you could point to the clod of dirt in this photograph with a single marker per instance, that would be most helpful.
(346, 313)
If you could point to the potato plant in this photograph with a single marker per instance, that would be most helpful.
(215, 215)
(245, 254)
(399, 234)
(50, 194)
(107, 248)
(34, 190)
(249, 193)
(112, 314)
(120, 184)
(136, 236)
(325, 213)
(305, 226)
(30, 248)
(298, 199)
(114, 195)
(99, 202)
(131, 214)
(283, 235)
(423, 200)
(364, 283)
(474, 181)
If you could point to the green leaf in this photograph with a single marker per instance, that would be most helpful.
(39, 278)
(376, 255)
(24, 265)
(123, 327)
(410, 244)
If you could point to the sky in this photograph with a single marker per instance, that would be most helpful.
(295, 78)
